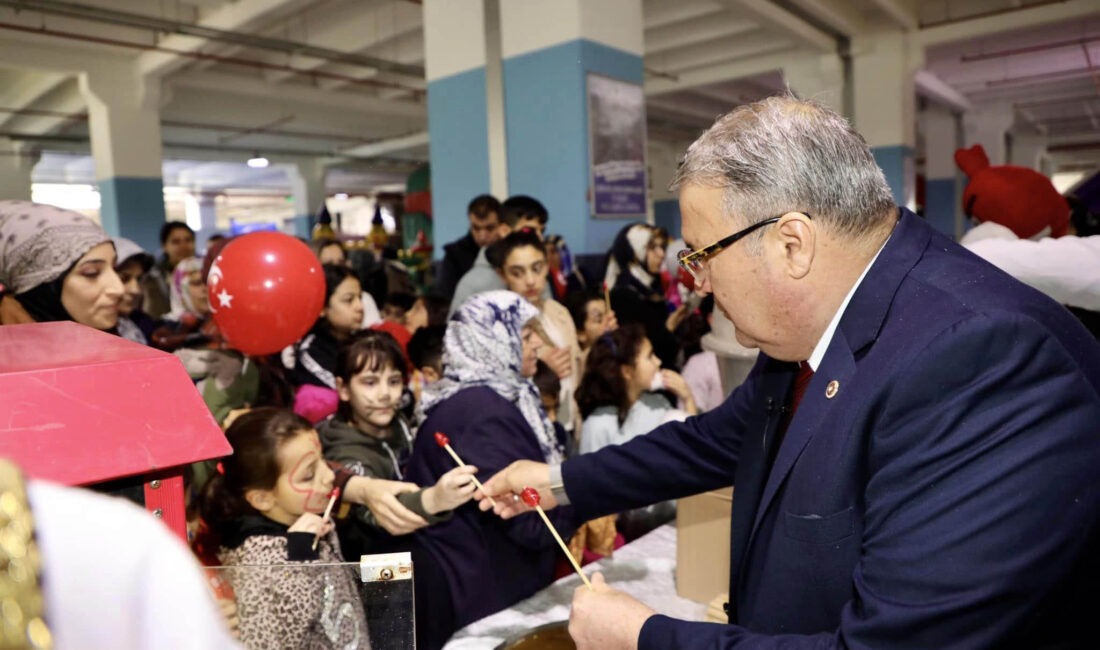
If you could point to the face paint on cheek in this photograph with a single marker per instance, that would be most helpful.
(312, 501)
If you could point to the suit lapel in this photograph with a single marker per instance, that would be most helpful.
(838, 366)
(859, 327)
(752, 471)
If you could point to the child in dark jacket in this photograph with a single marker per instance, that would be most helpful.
(369, 437)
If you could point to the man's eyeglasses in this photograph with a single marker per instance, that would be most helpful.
(694, 262)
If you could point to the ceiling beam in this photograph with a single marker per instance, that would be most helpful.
(717, 51)
(693, 31)
(263, 90)
(232, 16)
(31, 87)
(658, 13)
(930, 86)
(842, 17)
(390, 145)
(772, 15)
(678, 105)
(349, 36)
(741, 69)
(902, 13)
(1029, 17)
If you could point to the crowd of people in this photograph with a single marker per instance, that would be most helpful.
(593, 388)
(494, 354)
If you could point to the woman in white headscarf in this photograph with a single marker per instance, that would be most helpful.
(634, 280)
(132, 265)
(56, 265)
(475, 563)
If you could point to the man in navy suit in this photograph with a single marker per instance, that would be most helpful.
(936, 484)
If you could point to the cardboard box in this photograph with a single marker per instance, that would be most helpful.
(703, 545)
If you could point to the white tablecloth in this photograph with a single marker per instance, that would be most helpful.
(645, 569)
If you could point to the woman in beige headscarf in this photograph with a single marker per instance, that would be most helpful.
(56, 265)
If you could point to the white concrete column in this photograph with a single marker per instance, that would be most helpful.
(16, 165)
(941, 194)
(307, 184)
(124, 121)
(466, 120)
(208, 213)
(988, 125)
(819, 77)
(1028, 150)
(884, 62)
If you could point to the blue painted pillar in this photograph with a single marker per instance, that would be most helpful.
(124, 121)
(884, 105)
(551, 50)
(523, 127)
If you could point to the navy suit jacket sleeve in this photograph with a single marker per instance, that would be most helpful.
(966, 534)
(672, 461)
(504, 446)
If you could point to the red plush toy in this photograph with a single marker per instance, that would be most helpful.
(1021, 199)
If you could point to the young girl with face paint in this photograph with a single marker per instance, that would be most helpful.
(264, 507)
(369, 437)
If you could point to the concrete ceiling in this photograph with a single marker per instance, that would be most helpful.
(343, 80)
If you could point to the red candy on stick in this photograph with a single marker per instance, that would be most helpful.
(531, 497)
(442, 440)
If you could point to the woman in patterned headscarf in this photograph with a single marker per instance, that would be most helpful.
(476, 564)
(56, 265)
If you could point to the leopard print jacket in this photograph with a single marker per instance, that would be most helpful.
(284, 605)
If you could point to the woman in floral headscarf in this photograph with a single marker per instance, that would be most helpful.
(476, 564)
(56, 265)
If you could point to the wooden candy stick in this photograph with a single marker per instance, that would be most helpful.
(606, 298)
(531, 497)
(442, 440)
(328, 511)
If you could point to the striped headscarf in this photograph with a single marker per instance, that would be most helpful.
(483, 346)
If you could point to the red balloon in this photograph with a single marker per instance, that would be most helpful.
(266, 291)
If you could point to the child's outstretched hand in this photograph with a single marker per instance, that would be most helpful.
(451, 490)
(311, 523)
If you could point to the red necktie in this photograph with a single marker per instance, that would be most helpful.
(801, 381)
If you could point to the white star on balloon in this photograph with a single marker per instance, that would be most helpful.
(225, 299)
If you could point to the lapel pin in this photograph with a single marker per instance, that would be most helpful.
(832, 389)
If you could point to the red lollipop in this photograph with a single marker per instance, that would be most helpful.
(266, 291)
(531, 497)
(442, 440)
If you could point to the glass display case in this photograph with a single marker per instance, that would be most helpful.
(365, 604)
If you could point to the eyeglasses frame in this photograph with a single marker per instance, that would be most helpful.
(688, 256)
